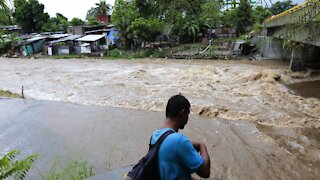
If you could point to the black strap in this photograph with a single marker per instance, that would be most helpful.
(161, 139)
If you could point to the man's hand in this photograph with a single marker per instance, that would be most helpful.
(204, 170)
(196, 145)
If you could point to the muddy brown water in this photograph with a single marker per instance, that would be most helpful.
(112, 138)
(306, 89)
(237, 90)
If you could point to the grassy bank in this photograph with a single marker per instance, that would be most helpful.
(8, 94)
(130, 54)
(70, 56)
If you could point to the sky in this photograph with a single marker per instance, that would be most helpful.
(79, 8)
(70, 8)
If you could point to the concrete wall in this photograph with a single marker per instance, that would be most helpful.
(76, 30)
(305, 57)
(269, 47)
(305, 33)
(301, 57)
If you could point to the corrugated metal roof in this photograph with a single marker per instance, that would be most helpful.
(91, 38)
(35, 39)
(69, 38)
(99, 30)
(31, 40)
(58, 36)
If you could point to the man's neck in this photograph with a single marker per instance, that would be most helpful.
(170, 123)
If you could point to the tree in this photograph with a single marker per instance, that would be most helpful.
(5, 13)
(30, 15)
(91, 13)
(170, 10)
(146, 8)
(228, 18)
(93, 21)
(261, 13)
(179, 13)
(243, 15)
(210, 12)
(58, 23)
(281, 6)
(146, 29)
(76, 22)
(191, 28)
(101, 9)
(124, 13)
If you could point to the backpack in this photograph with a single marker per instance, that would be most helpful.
(147, 167)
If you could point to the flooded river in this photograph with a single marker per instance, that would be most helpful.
(307, 89)
(112, 138)
(254, 124)
(237, 90)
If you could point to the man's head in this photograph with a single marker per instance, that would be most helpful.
(178, 109)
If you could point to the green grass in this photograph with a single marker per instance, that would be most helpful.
(191, 46)
(70, 56)
(8, 94)
(129, 54)
(74, 170)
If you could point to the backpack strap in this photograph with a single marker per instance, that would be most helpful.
(160, 140)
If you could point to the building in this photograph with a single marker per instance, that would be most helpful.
(223, 32)
(106, 19)
(64, 46)
(93, 44)
(31, 46)
(81, 30)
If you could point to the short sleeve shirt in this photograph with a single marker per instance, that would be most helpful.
(177, 157)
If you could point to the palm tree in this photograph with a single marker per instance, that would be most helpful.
(191, 28)
(102, 8)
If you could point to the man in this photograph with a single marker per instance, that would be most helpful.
(178, 157)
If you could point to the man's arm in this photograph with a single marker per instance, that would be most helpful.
(204, 170)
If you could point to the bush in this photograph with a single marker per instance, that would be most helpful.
(115, 53)
(76, 169)
(158, 53)
(18, 169)
(144, 53)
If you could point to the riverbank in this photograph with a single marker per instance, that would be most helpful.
(8, 94)
(113, 138)
(253, 91)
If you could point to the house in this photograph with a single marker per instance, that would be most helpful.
(81, 30)
(53, 37)
(14, 28)
(31, 46)
(104, 19)
(63, 46)
(223, 32)
(93, 44)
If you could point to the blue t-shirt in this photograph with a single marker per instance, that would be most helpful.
(177, 157)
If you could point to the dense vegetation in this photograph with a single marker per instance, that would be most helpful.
(141, 21)
(185, 18)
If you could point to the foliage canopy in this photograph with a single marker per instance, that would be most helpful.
(58, 23)
(281, 6)
(30, 15)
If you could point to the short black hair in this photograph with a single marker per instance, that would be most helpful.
(177, 104)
